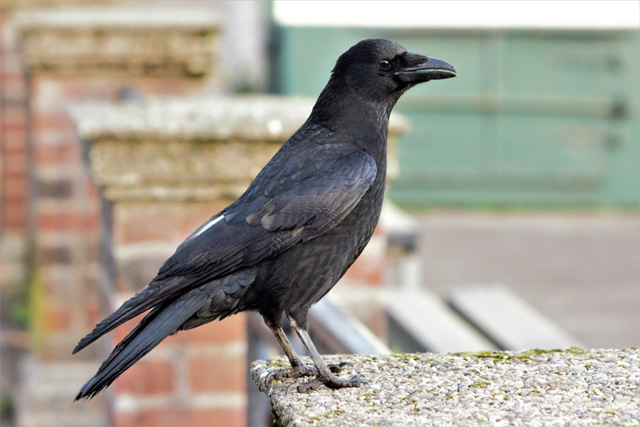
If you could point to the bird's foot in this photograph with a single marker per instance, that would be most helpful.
(332, 382)
(293, 372)
(301, 371)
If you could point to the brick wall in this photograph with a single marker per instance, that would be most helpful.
(193, 378)
(48, 196)
(14, 180)
(94, 247)
(65, 213)
(64, 203)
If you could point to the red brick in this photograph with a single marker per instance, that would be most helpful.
(14, 202)
(14, 139)
(13, 126)
(14, 163)
(14, 152)
(173, 417)
(219, 417)
(92, 312)
(149, 376)
(14, 216)
(14, 219)
(13, 225)
(92, 190)
(68, 221)
(13, 194)
(171, 222)
(157, 417)
(51, 121)
(13, 87)
(14, 116)
(217, 373)
(17, 175)
(57, 154)
(15, 187)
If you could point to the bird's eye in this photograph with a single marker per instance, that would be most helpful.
(384, 65)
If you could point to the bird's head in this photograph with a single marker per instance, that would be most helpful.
(382, 70)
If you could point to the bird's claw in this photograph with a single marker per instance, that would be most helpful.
(301, 371)
(333, 383)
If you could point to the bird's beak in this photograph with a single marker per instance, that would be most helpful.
(420, 69)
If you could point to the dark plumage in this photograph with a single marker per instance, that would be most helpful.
(295, 231)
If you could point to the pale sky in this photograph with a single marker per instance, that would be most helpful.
(570, 14)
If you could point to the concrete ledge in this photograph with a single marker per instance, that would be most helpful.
(530, 388)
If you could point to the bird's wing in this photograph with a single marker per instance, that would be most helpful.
(300, 201)
(318, 203)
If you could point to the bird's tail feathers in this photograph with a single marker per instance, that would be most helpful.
(144, 300)
(159, 323)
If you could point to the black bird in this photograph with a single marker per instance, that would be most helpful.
(296, 230)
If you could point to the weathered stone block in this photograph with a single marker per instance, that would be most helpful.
(157, 42)
(189, 149)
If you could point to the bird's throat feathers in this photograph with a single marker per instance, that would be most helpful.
(346, 111)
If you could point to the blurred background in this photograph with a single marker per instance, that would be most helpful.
(512, 218)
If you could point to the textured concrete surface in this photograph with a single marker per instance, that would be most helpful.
(581, 270)
(532, 388)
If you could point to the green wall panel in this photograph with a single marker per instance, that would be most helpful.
(538, 118)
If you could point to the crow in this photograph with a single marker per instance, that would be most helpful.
(295, 231)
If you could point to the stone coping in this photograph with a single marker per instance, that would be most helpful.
(532, 388)
(13, 5)
(190, 149)
(120, 40)
(251, 117)
(91, 17)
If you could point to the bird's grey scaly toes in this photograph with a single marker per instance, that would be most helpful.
(333, 383)
(280, 374)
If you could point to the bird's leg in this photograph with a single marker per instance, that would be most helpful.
(324, 376)
(298, 368)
